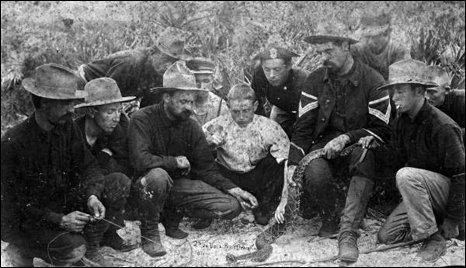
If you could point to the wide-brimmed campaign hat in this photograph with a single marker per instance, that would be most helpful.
(329, 32)
(407, 71)
(274, 51)
(436, 74)
(53, 81)
(102, 91)
(172, 42)
(374, 24)
(201, 65)
(178, 77)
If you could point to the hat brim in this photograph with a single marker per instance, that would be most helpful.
(98, 103)
(322, 39)
(28, 84)
(426, 84)
(166, 89)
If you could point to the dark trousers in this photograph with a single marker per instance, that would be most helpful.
(326, 180)
(193, 198)
(56, 245)
(265, 182)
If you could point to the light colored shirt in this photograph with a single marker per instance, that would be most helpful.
(242, 149)
(212, 108)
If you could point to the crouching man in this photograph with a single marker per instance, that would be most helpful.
(51, 181)
(175, 167)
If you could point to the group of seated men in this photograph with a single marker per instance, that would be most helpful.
(65, 182)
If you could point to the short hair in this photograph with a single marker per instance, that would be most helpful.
(241, 91)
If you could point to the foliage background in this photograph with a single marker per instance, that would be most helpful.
(229, 32)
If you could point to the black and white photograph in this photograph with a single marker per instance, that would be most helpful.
(233, 133)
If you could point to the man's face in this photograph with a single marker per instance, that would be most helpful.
(107, 116)
(242, 111)
(58, 112)
(205, 81)
(180, 105)
(377, 43)
(405, 98)
(436, 95)
(276, 71)
(333, 56)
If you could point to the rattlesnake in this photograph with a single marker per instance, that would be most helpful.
(274, 229)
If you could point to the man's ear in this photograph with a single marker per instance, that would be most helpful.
(166, 97)
(256, 105)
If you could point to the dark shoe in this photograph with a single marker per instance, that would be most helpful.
(117, 243)
(433, 248)
(153, 247)
(17, 258)
(96, 256)
(329, 226)
(348, 247)
(175, 232)
(461, 232)
(260, 217)
(202, 224)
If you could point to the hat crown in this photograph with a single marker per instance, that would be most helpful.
(171, 41)
(327, 32)
(200, 65)
(180, 77)
(407, 71)
(375, 20)
(102, 89)
(275, 51)
(54, 81)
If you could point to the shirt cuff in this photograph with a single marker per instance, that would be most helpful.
(54, 218)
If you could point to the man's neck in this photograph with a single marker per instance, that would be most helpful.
(413, 112)
(91, 128)
(346, 66)
(43, 122)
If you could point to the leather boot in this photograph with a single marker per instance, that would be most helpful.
(329, 225)
(111, 237)
(358, 196)
(17, 257)
(93, 233)
(202, 224)
(433, 248)
(171, 220)
(150, 238)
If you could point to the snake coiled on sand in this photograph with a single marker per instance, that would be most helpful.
(274, 230)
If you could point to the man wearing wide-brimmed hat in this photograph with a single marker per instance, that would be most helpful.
(138, 70)
(174, 165)
(428, 152)
(106, 139)
(376, 48)
(276, 82)
(51, 181)
(450, 101)
(339, 104)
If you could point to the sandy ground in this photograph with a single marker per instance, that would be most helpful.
(296, 248)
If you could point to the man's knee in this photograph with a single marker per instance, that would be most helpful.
(317, 173)
(117, 186)
(157, 180)
(231, 210)
(406, 177)
(382, 236)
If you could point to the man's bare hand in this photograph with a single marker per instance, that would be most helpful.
(280, 211)
(333, 148)
(214, 139)
(368, 142)
(183, 163)
(75, 221)
(247, 200)
(96, 207)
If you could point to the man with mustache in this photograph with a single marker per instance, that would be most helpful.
(106, 139)
(138, 70)
(50, 180)
(338, 106)
(427, 149)
(174, 166)
(276, 82)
